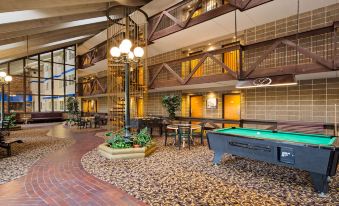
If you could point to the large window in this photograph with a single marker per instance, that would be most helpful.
(42, 82)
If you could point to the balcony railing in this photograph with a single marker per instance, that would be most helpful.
(191, 12)
(218, 65)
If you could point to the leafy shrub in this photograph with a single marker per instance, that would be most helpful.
(119, 142)
(172, 104)
(143, 138)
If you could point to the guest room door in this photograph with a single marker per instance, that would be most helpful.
(196, 105)
(231, 108)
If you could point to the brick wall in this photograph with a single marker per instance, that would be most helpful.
(309, 101)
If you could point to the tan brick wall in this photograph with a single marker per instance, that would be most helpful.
(310, 100)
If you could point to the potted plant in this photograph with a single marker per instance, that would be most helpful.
(142, 139)
(172, 104)
(72, 106)
(118, 142)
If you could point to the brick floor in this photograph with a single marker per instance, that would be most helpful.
(60, 180)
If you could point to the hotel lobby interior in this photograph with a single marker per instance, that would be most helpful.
(169, 102)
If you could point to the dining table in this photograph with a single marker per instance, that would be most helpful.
(176, 127)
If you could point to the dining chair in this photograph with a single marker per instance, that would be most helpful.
(184, 132)
(199, 133)
(170, 133)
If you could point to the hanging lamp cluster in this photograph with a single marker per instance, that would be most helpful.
(124, 53)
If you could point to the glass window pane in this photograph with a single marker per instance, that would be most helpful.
(45, 86)
(32, 68)
(32, 85)
(16, 67)
(70, 72)
(70, 57)
(58, 56)
(17, 85)
(36, 57)
(16, 103)
(70, 88)
(46, 57)
(58, 71)
(59, 103)
(32, 103)
(4, 68)
(58, 87)
(46, 103)
(71, 48)
(45, 70)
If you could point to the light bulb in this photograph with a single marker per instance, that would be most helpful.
(3, 74)
(130, 55)
(138, 52)
(125, 46)
(115, 51)
(8, 78)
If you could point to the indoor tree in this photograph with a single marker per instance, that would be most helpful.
(172, 104)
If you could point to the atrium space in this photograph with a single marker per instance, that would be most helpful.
(169, 102)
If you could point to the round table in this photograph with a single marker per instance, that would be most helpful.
(176, 127)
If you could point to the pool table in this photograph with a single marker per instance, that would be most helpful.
(317, 154)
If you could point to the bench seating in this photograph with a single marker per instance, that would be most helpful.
(7, 143)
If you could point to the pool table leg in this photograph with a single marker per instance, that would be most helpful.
(217, 157)
(320, 182)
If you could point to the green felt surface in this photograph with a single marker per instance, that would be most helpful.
(285, 136)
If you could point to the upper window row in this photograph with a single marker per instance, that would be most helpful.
(59, 56)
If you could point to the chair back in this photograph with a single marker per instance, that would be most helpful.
(184, 131)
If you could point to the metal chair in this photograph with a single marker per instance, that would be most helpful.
(170, 133)
(199, 133)
(184, 132)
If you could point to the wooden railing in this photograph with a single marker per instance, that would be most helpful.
(192, 12)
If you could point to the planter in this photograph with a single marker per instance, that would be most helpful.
(15, 128)
(127, 153)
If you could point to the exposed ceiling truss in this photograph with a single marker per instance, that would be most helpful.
(51, 24)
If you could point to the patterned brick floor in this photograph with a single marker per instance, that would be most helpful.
(60, 180)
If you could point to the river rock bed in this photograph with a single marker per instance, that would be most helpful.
(36, 145)
(187, 177)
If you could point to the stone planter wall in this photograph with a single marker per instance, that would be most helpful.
(127, 153)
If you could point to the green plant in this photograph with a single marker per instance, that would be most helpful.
(119, 142)
(72, 106)
(143, 138)
(172, 104)
(11, 119)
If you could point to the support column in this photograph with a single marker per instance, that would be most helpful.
(2, 102)
(127, 103)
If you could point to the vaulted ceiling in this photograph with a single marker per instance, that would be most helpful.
(51, 24)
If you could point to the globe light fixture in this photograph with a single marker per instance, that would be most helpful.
(115, 52)
(8, 78)
(124, 54)
(125, 46)
(4, 79)
(138, 52)
(130, 55)
(3, 74)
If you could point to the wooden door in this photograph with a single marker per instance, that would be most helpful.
(140, 107)
(196, 105)
(231, 108)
